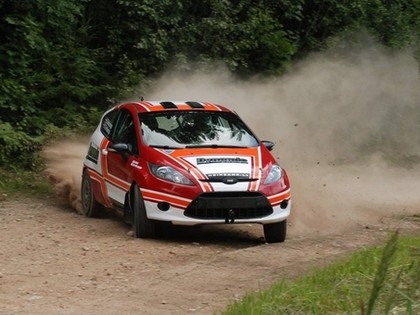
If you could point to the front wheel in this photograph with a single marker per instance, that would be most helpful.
(275, 232)
(90, 207)
(143, 227)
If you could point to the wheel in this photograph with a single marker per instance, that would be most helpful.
(142, 226)
(275, 232)
(90, 207)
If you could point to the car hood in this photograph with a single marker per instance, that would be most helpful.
(222, 169)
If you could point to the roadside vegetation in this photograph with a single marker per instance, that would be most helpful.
(381, 280)
(64, 62)
(14, 183)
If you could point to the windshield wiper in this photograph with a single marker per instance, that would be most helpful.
(159, 146)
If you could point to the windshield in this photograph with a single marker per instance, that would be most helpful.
(180, 129)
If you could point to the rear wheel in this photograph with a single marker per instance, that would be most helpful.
(90, 207)
(275, 232)
(142, 226)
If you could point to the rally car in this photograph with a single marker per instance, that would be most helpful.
(184, 163)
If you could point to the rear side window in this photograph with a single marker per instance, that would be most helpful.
(108, 122)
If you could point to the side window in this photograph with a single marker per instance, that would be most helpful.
(108, 122)
(125, 132)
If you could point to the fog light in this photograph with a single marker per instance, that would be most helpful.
(284, 204)
(164, 206)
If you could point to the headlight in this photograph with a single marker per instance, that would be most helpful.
(170, 174)
(275, 174)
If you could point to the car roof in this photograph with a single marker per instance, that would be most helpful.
(160, 106)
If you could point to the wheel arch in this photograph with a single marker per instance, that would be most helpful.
(96, 186)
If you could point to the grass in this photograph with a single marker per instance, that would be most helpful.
(374, 281)
(21, 182)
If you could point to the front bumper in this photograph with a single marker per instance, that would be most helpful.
(212, 208)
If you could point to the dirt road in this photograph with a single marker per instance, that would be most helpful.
(55, 261)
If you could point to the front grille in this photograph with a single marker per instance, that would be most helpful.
(229, 206)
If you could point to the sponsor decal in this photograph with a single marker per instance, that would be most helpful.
(235, 175)
(236, 160)
(135, 164)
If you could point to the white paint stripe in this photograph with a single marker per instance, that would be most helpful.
(188, 167)
(172, 203)
(259, 173)
(116, 181)
(214, 105)
(144, 106)
(165, 195)
(279, 194)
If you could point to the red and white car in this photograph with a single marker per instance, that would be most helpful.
(186, 163)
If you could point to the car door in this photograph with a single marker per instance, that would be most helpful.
(118, 168)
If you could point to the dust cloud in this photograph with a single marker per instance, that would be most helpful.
(346, 128)
(64, 169)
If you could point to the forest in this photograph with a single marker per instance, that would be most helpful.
(63, 62)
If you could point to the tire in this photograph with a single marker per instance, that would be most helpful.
(275, 232)
(90, 207)
(142, 226)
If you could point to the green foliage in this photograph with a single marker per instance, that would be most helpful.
(17, 146)
(45, 66)
(44, 63)
(385, 279)
(245, 35)
(132, 39)
(382, 272)
(60, 60)
(24, 182)
(394, 23)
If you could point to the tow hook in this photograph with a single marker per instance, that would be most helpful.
(230, 217)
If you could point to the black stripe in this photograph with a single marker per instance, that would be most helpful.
(168, 105)
(194, 104)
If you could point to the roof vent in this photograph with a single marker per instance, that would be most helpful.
(168, 105)
(194, 104)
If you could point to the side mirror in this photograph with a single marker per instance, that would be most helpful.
(121, 148)
(268, 144)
